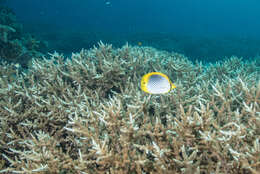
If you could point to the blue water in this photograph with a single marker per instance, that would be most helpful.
(198, 28)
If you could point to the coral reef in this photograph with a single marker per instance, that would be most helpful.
(4, 29)
(16, 46)
(87, 114)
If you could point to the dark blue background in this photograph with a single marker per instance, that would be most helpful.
(211, 17)
(206, 30)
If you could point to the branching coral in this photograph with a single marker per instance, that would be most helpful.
(15, 46)
(4, 30)
(87, 114)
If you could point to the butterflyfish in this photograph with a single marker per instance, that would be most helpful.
(156, 83)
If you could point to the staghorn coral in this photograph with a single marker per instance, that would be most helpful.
(15, 45)
(4, 30)
(87, 114)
